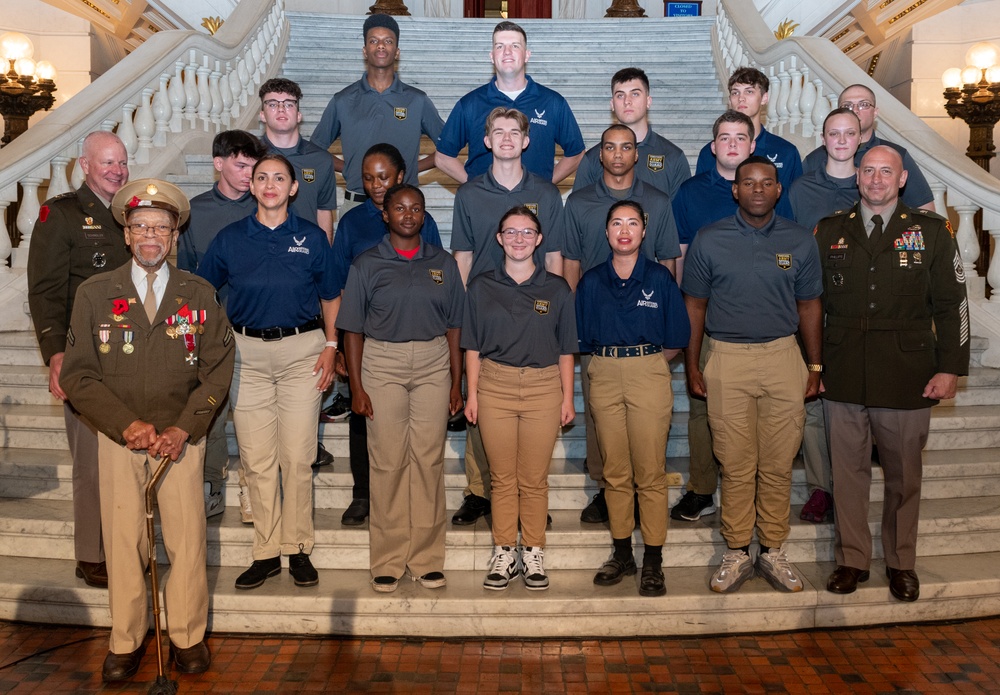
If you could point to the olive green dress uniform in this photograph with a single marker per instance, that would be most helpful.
(896, 314)
(76, 237)
(160, 381)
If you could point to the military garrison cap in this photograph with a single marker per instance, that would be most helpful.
(150, 193)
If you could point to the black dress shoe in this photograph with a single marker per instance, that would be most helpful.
(597, 511)
(120, 667)
(93, 573)
(651, 581)
(302, 570)
(903, 584)
(844, 579)
(258, 572)
(194, 659)
(472, 508)
(356, 513)
(323, 457)
(613, 570)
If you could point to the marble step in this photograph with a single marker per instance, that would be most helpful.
(952, 588)
(19, 348)
(44, 529)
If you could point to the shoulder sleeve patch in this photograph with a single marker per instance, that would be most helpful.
(947, 225)
(228, 338)
(43, 214)
(70, 338)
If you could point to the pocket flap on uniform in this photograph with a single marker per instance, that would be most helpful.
(833, 335)
(911, 341)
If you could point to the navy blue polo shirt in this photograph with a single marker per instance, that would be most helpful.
(662, 164)
(276, 277)
(915, 193)
(360, 229)
(645, 308)
(706, 198)
(752, 277)
(526, 325)
(817, 194)
(784, 154)
(551, 122)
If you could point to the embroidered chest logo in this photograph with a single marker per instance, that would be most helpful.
(541, 307)
(654, 162)
(774, 160)
(298, 248)
(784, 260)
(399, 112)
(437, 276)
(533, 207)
(308, 175)
(646, 300)
(539, 118)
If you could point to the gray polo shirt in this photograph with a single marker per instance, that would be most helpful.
(526, 325)
(481, 202)
(362, 117)
(314, 172)
(210, 213)
(398, 300)
(587, 210)
(817, 194)
(752, 278)
(661, 164)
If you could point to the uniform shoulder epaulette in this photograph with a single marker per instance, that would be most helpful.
(63, 196)
(927, 213)
(837, 213)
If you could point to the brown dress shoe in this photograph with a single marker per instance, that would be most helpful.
(194, 659)
(844, 579)
(903, 584)
(93, 573)
(120, 667)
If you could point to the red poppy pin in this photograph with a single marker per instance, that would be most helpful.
(119, 306)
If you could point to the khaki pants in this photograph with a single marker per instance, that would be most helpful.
(124, 476)
(632, 400)
(901, 436)
(276, 411)
(408, 384)
(593, 464)
(703, 467)
(519, 410)
(86, 487)
(756, 410)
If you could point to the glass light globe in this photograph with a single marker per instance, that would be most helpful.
(25, 67)
(14, 46)
(982, 55)
(952, 78)
(44, 70)
(971, 75)
(993, 74)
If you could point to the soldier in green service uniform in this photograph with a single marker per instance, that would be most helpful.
(76, 237)
(896, 341)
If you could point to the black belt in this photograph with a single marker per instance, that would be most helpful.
(868, 324)
(628, 351)
(355, 197)
(277, 333)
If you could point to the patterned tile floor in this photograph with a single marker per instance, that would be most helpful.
(938, 658)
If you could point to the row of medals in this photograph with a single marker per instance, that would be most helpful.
(182, 328)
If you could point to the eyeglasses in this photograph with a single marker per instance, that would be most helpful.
(287, 104)
(526, 234)
(857, 106)
(145, 230)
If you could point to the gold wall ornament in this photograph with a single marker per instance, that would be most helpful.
(874, 63)
(212, 24)
(785, 29)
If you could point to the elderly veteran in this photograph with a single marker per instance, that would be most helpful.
(149, 358)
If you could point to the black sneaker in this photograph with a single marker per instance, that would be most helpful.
(339, 409)
(258, 572)
(472, 508)
(323, 457)
(597, 511)
(692, 506)
(302, 570)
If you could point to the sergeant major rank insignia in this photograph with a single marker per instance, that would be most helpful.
(541, 307)
(654, 162)
(308, 175)
(784, 260)
(437, 276)
(399, 112)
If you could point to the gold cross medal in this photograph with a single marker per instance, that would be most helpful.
(191, 358)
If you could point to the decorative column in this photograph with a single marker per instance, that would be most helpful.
(395, 7)
(625, 8)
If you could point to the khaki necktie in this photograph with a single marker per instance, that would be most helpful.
(149, 303)
(876, 231)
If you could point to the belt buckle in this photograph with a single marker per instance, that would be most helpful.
(271, 334)
(613, 352)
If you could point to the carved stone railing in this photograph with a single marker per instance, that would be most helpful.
(806, 76)
(177, 87)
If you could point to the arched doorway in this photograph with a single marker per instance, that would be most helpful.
(514, 9)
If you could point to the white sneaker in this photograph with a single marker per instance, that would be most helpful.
(534, 575)
(736, 568)
(503, 568)
(246, 514)
(778, 571)
(214, 504)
